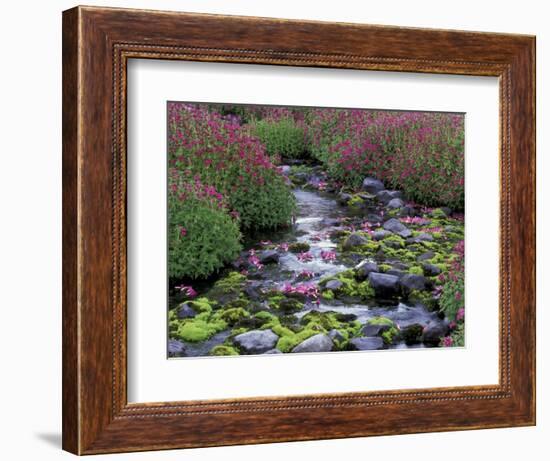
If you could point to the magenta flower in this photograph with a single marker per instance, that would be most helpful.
(460, 314)
(183, 231)
(283, 247)
(306, 274)
(305, 256)
(447, 341)
(187, 290)
(328, 255)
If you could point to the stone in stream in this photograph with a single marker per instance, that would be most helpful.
(385, 286)
(397, 227)
(395, 203)
(372, 185)
(430, 270)
(374, 218)
(426, 256)
(354, 240)
(256, 341)
(366, 344)
(344, 198)
(185, 311)
(317, 343)
(433, 332)
(269, 257)
(380, 234)
(411, 282)
(412, 334)
(333, 285)
(335, 335)
(364, 268)
(384, 196)
(372, 329)
(397, 272)
(176, 348)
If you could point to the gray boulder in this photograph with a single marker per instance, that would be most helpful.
(385, 285)
(317, 343)
(335, 335)
(269, 257)
(430, 270)
(395, 203)
(411, 282)
(371, 329)
(344, 198)
(333, 285)
(185, 311)
(364, 268)
(366, 344)
(256, 341)
(397, 227)
(354, 240)
(372, 185)
(380, 234)
(384, 196)
(176, 348)
(425, 256)
(433, 332)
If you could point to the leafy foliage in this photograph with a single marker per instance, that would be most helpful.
(282, 137)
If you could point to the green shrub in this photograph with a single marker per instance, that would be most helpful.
(282, 137)
(202, 236)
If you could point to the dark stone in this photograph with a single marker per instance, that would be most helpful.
(269, 257)
(366, 344)
(176, 348)
(395, 203)
(397, 272)
(433, 332)
(397, 227)
(374, 218)
(256, 341)
(380, 234)
(384, 196)
(426, 256)
(364, 268)
(335, 335)
(430, 270)
(343, 317)
(406, 210)
(354, 240)
(333, 285)
(424, 237)
(384, 285)
(412, 334)
(344, 198)
(329, 222)
(317, 343)
(411, 282)
(374, 330)
(185, 311)
(252, 292)
(372, 185)
(446, 210)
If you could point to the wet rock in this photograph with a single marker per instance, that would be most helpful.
(185, 311)
(372, 185)
(397, 272)
(446, 210)
(269, 257)
(397, 227)
(333, 285)
(253, 292)
(344, 198)
(343, 317)
(395, 203)
(364, 268)
(371, 329)
(374, 218)
(317, 343)
(430, 270)
(284, 169)
(354, 240)
(366, 344)
(273, 351)
(384, 196)
(329, 222)
(176, 348)
(335, 335)
(256, 341)
(384, 285)
(381, 234)
(406, 210)
(412, 334)
(433, 332)
(425, 256)
(411, 282)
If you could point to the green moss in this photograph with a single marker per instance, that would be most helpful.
(352, 287)
(355, 201)
(380, 320)
(389, 334)
(424, 297)
(233, 315)
(397, 241)
(416, 270)
(384, 267)
(298, 247)
(288, 339)
(266, 316)
(201, 305)
(234, 281)
(223, 350)
(328, 295)
(438, 213)
(199, 329)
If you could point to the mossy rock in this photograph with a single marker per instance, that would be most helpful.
(412, 334)
(221, 350)
(233, 315)
(199, 328)
(298, 247)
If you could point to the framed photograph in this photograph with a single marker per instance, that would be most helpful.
(281, 230)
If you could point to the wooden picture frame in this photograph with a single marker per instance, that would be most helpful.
(97, 43)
